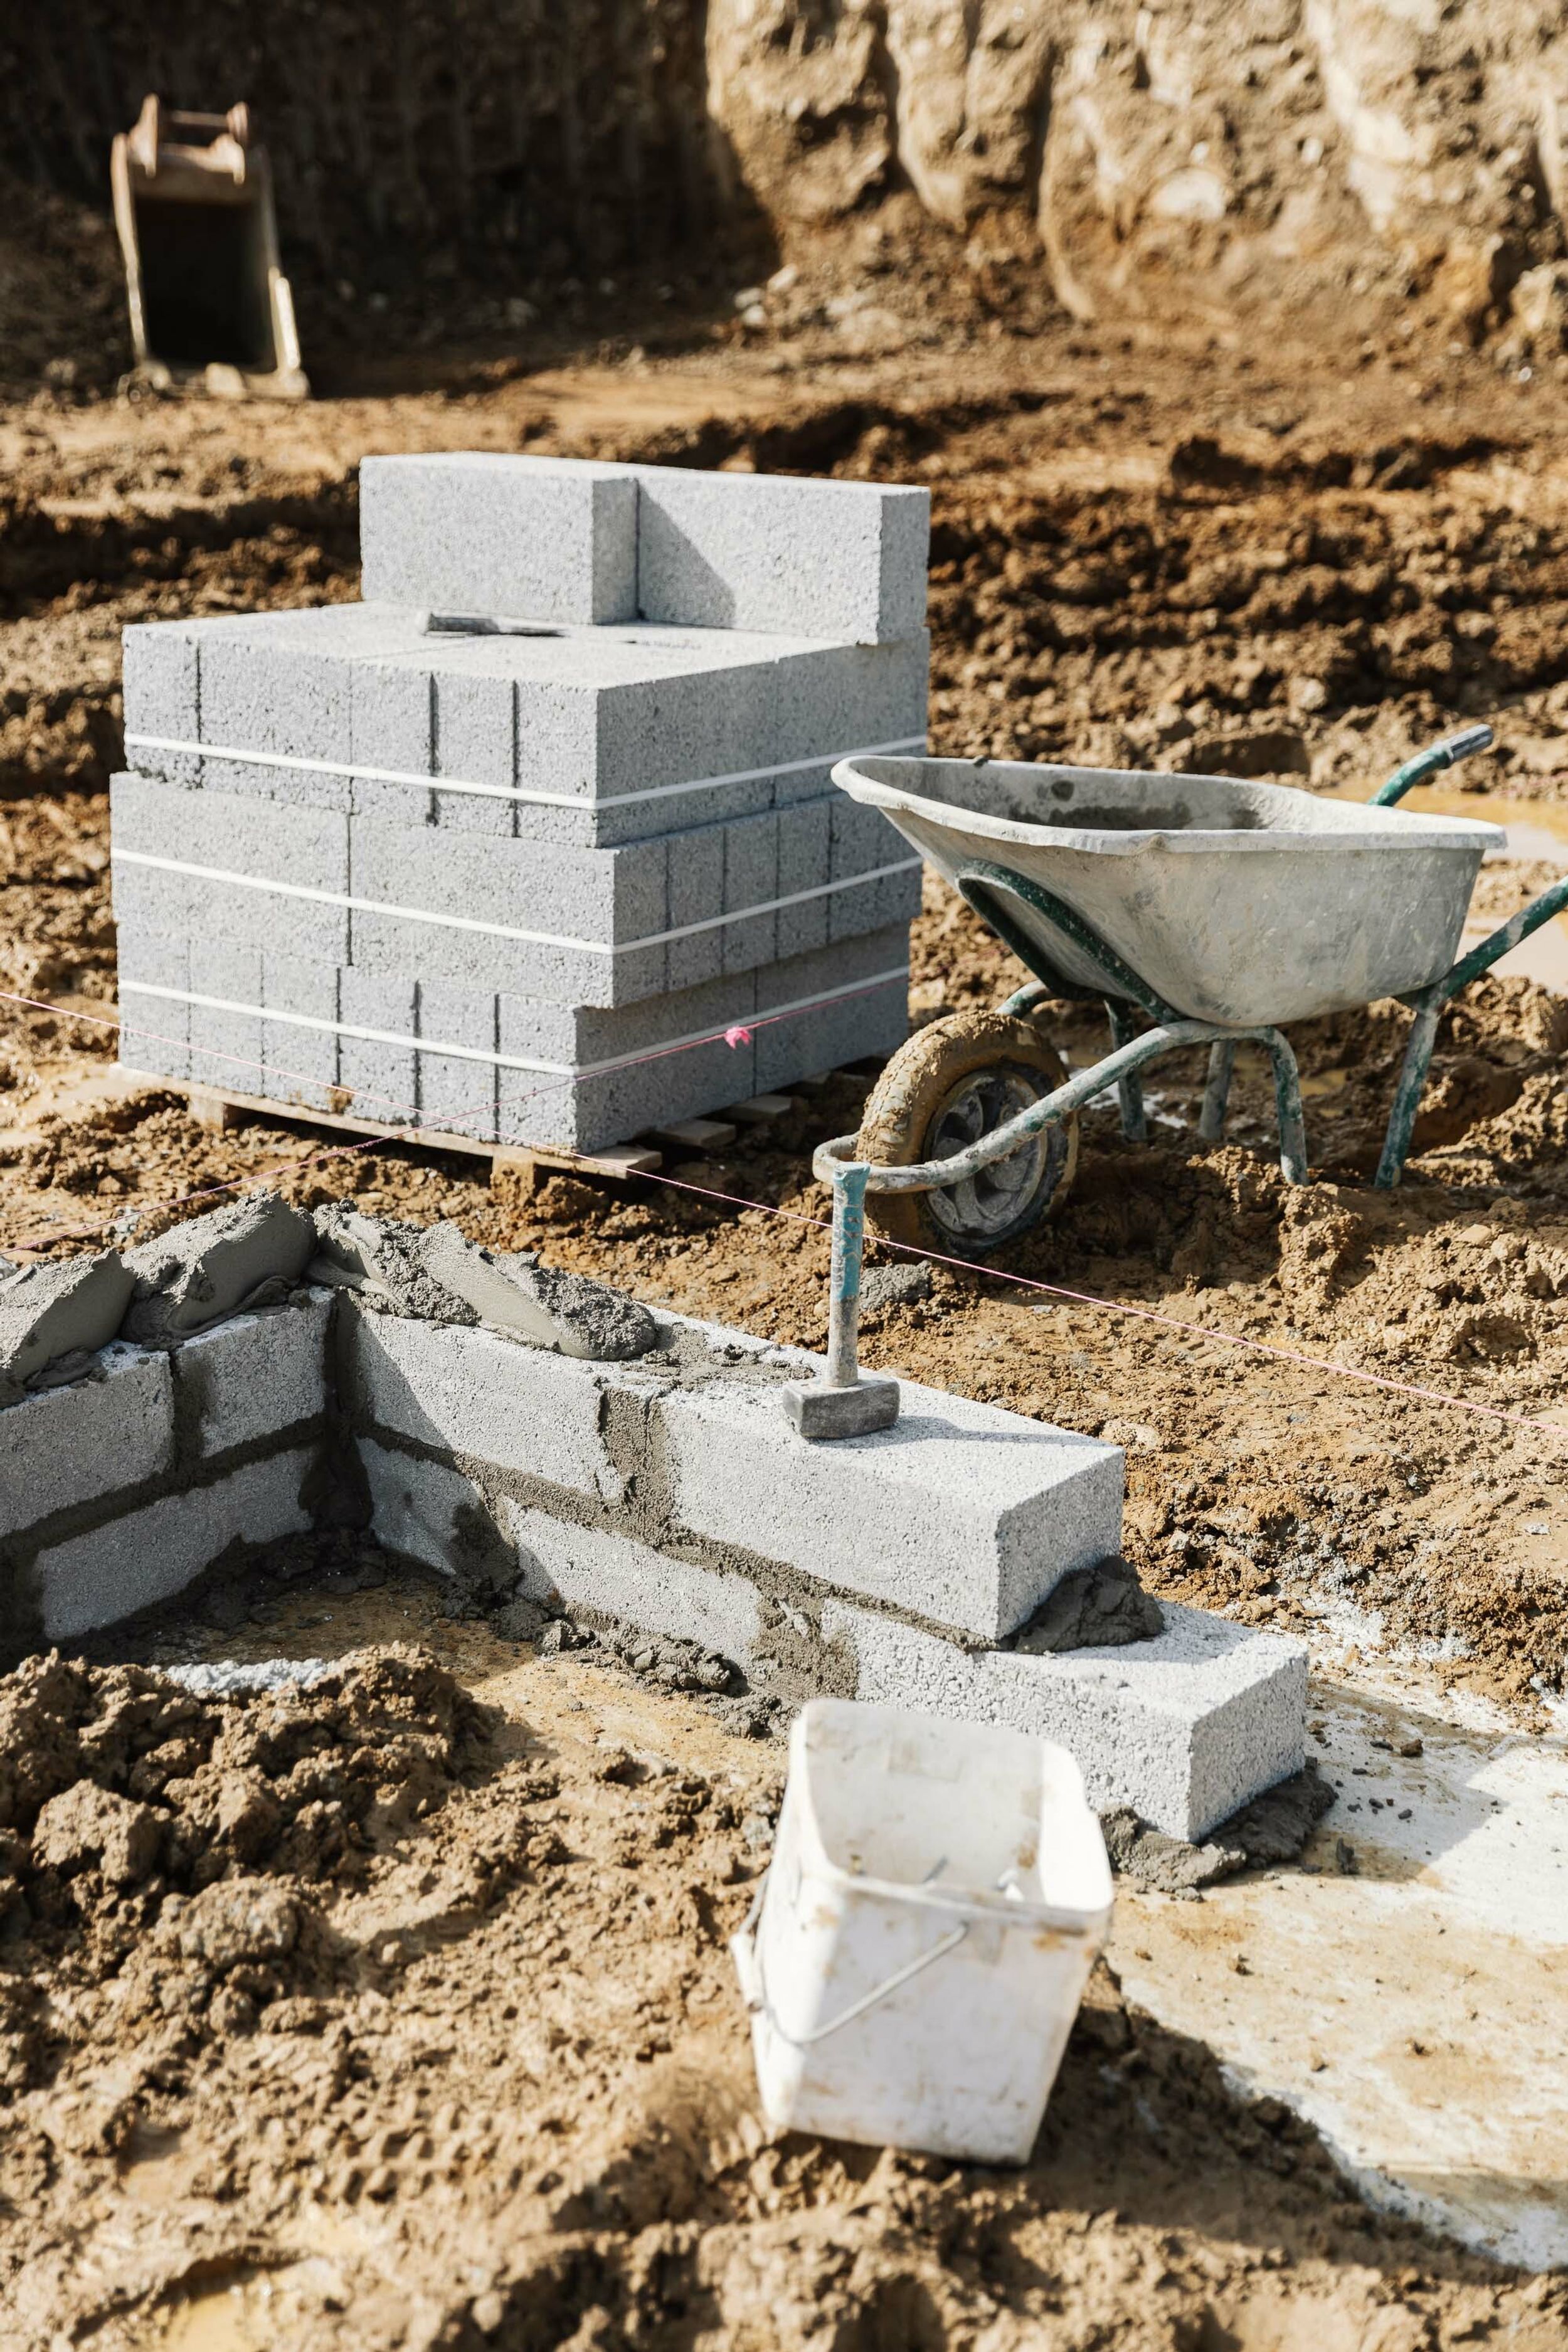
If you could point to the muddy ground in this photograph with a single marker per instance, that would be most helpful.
(1142, 553)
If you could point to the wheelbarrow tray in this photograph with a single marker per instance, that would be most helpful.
(1243, 904)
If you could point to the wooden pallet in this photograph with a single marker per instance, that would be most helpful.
(514, 1168)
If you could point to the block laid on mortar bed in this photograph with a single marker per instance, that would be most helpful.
(1185, 1728)
(255, 1377)
(616, 1576)
(149, 1554)
(961, 1513)
(531, 538)
(469, 1393)
(114, 1428)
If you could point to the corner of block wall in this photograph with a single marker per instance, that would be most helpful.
(665, 1492)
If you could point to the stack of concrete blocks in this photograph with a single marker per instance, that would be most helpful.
(507, 848)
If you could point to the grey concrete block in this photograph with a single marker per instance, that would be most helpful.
(1183, 1728)
(805, 862)
(534, 538)
(476, 741)
(298, 1035)
(432, 1513)
(960, 1513)
(469, 1392)
(149, 1554)
(379, 1072)
(457, 1091)
(599, 1110)
(607, 1105)
(751, 879)
(255, 1378)
(161, 699)
(69, 1445)
(386, 943)
(862, 838)
(392, 726)
(153, 981)
(697, 886)
(874, 904)
(148, 897)
(831, 700)
(614, 1576)
(231, 833)
(209, 1268)
(605, 897)
(871, 1020)
(226, 1035)
(261, 693)
(764, 551)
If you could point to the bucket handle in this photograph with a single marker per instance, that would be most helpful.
(751, 1968)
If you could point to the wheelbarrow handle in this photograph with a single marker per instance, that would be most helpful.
(1445, 754)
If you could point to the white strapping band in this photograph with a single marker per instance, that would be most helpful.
(504, 931)
(509, 1061)
(510, 791)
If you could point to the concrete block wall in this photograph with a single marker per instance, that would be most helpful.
(900, 1567)
(667, 1490)
(571, 752)
(119, 1488)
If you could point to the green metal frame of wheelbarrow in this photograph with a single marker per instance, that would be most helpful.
(987, 887)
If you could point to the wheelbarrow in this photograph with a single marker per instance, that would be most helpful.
(1217, 909)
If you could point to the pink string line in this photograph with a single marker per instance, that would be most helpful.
(1143, 1314)
(795, 1216)
(736, 1034)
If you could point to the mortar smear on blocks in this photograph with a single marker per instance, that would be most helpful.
(539, 1439)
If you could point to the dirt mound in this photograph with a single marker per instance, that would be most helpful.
(142, 1826)
(467, 2065)
(63, 320)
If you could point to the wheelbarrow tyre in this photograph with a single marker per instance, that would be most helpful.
(955, 1079)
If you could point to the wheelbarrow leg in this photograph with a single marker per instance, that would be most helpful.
(1288, 1108)
(1216, 1092)
(842, 1401)
(1407, 1097)
(1130, 1089)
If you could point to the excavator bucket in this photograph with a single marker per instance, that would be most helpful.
(193, 204)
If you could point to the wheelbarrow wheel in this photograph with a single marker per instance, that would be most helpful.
(955, 1081)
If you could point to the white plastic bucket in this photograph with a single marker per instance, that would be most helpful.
(920, 1946)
